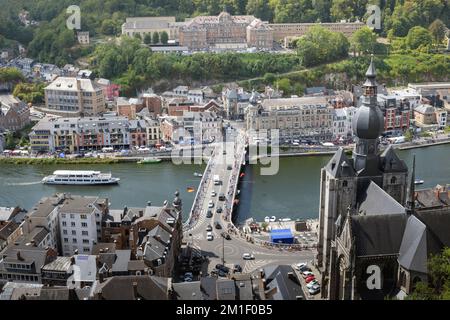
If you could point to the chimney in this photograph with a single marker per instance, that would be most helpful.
(19, 256)
(135, 291)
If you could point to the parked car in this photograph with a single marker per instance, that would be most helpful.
(248, 256)
(237, 268)
(222, 197)
(219, 210)
(266, 219)
(218, 226)
(223, 268)
(209, 214)
(312, 284)
(213, 194)
(226, 235)
(300, 266)
(273, 219)
(310, 278)
(314, 290)
(222, 273)
(306, 274)
(209, 236)
(210, 204)
(209, 228)
(229, 167)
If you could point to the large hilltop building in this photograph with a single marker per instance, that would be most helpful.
(227, 32)
(368, 219)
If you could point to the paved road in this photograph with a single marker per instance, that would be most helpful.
(231, 250)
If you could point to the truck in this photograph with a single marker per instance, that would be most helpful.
(216, 179)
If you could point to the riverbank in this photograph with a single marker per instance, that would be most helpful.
(101, 160)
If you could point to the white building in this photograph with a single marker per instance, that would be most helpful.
(441, 117)
(80, 223)
(195, 95)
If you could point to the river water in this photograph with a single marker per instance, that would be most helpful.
(293, 192)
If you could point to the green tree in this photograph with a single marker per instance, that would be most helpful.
(285, 86)
(269, 78)
(260, 9)
(363, 41)
(437, 30)
(418, 37)
(137, 36)
(108, 27)
(155, 37)
(164, 37)
(148, 38)
(438, 287)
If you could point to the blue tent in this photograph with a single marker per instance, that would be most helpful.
(281, 236)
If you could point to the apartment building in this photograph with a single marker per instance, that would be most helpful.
(80, 134)
(305, 117)
(74, 97)
(14, 114)
(80, 223)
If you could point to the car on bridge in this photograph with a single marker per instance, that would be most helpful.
(213, 193)
(209, 228)
(209, 236)
(209, 214)
(210, 204)
(222, 197)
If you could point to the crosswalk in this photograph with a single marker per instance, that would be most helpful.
(252, 265)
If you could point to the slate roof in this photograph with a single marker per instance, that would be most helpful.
(375, 201)
(121, 288)
(59, 264)
(287, 288)
(340, 165)
(413, 250)
(8, 229)
(136, 265)
(390, 162)
(153, 249)
(188, 291)
(121, 262)
(378, 234)
(159, 231)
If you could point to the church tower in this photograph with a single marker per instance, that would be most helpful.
(351, 185)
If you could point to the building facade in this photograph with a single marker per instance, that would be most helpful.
(74, 97)
(14, 114)
(304, 118)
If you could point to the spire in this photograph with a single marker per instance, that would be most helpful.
(412, 190)
(371, 72)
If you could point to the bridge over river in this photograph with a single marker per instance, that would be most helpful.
(226, 162)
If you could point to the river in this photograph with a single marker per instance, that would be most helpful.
(293, 192)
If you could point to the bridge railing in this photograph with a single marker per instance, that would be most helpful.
(195, 209)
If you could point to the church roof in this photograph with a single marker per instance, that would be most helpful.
(340, 165)
(371, 72)
(378, 235)
(375, 201)
(413, 250)
(390, 162)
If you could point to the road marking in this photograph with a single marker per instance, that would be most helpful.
(252, 265)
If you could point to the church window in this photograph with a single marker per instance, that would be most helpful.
(344, 183)
(393, 180)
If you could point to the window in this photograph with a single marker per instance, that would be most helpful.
(74, 232)
(63, 215)
(84, 233)
(64, 231)
(74, 240)
(83, 216)
(72, 216)
(85, 249)
(84, 224)
(72, 224)
(393, 180)
(64, 223)
(66, 239)
(86, 241)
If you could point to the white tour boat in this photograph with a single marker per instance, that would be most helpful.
(80, 177)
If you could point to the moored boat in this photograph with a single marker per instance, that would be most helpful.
(196, 174)
(418, 181)
(149, 160)
(79, 177)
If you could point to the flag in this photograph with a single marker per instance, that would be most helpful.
(190, 189)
